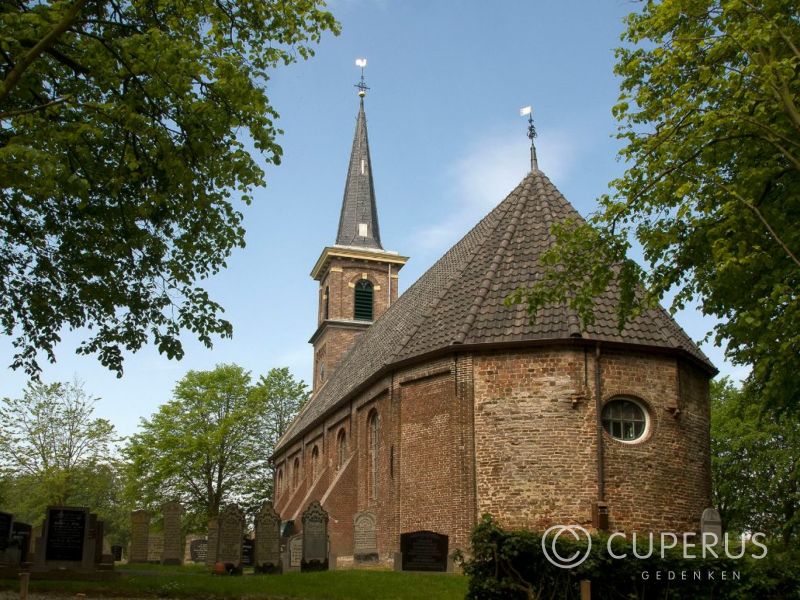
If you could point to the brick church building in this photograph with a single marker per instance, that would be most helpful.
(434, 407)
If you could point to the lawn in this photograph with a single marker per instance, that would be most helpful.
(197, 582)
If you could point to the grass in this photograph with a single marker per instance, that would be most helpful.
(197, 582)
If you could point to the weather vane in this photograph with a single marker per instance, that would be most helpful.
(527, 110)
(361, 85)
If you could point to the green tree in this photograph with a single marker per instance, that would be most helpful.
(211, 443)
(710, 118)
(283, 397)
(53, 451)
(755, 463)
(123, 130)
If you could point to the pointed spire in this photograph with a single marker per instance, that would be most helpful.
(527, 110)
(358, 222)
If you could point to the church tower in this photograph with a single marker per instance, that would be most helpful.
(357, 277)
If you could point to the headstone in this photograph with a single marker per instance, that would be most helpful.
(140, 536)
(213, 539)
(248, 549)
(21, 534)
(66, 535)
(268, 540)
(6, 519)
(711, 523)
(116, 552)
(365, 539)
(96, 533)
(295, 552)
(315, 538)
(424, 551)
(172, 552)
(231, 532)
(198, 550)
(155, 548)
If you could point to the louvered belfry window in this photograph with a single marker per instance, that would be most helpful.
(363, 300)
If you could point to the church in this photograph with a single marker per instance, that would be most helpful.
(436, 406)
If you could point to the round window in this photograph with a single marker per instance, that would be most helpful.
(624, 420)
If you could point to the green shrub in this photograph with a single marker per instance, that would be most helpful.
(511, 564)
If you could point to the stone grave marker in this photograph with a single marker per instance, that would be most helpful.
(213, 539)
(248, 550)
(198, 550)
(315, 538)
(116, 552)
(365, 539)
(268, 540)
(140, 536)
(424, 551)
(172, 551)
(66, 537)
(711, 523)
(21, 534)
(230, 535)
(295, 552)
(155, 548)
(6, 519)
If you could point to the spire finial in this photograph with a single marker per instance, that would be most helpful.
(361, 85)
(527, 110)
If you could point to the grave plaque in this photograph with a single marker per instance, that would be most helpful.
(66, 533)
(155, 548)
(116, 552)
(140, 536)
(230, 535)
(248, 549)
(6, 519)
(21, 534)
(213, 541)
(365, 540)
(268, 540)
(172, 551)
(711, 523)
(315, 538)
(198, 550)
(296, 551)
(424, 551)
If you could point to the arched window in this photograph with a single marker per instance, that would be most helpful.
(341, 447)
(327, 303)
(625, 419)
(314, 463)
(372, 463)
(363, 300)
(296, 473)
(279, 482)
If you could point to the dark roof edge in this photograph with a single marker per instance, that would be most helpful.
(464, 348)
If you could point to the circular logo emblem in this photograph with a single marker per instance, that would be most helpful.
(551, 553)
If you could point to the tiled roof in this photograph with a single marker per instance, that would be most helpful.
(459, 300)
(358, 222)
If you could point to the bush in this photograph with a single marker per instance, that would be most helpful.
(511, 564)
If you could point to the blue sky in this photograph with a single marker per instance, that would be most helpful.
(447, 80)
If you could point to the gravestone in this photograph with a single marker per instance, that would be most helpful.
(248, 550)
(365, 539)
(140, 536)
(155, 548)
(424, 551)
(21, 534)
(711, 523)
(315, 538)
(198, 550)
(268, 540)
(230, 535)
(66, 537)
(96, 532)
(172, 551)
(116, 552)
(295, 552)
(6, 519)
(213, 538)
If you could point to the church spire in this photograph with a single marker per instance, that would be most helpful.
(358, 222)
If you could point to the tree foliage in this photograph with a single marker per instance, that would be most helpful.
(123, 129)
(755, 460)
(710, 118)
(211, 443)
(53, 451)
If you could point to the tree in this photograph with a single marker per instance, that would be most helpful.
(122, 140)
(283, 397)
(53, 451)
(755, 463)
(710, 117)
(211, 443)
